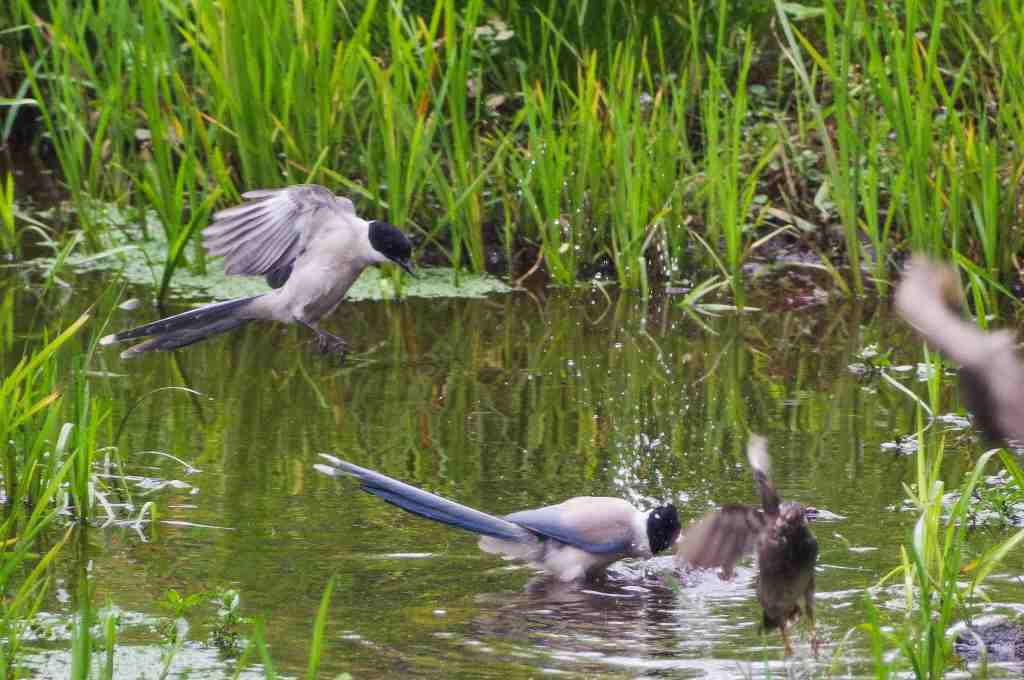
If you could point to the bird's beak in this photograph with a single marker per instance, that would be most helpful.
(407, 266)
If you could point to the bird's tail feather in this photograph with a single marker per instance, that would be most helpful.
(426, 504)
(757, 454)
(183, 336)
(185, 328)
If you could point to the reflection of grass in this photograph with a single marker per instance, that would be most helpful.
(9, 241)
(501, 404)
(54, 419)
(604, 136)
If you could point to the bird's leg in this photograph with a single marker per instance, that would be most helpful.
(787, 647)
(327, 342)
(331, 343)
(809, 612)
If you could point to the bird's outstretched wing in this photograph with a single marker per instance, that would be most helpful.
(991, 373)
(721, 538)
(264, 235)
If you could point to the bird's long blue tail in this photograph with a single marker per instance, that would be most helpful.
(424, 503)
(185, 328)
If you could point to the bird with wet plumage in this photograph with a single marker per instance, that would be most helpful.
(777, 532)
(577, 539)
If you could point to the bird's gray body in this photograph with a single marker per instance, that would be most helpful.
(308, 243)
(576, 539)
(304, 228)
(995, 640)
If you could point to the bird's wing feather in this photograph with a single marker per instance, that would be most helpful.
(597, 525)
(929, 298)
(721, 538)
(265, 234)
(992, 375)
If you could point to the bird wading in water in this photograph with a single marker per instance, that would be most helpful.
(573, 540)
(777, 532)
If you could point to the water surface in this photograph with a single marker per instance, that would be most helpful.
(504, 403)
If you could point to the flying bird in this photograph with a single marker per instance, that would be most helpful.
(778, 532)
(929, 298)
(576, 539)
(309, 245)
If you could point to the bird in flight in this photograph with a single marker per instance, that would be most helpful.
(929, 298)
(309, 245)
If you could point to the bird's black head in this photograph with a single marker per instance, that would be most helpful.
(387, 240)
(662, 527)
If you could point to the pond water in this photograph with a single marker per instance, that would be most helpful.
(502, 403)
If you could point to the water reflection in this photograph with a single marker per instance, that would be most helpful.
(502, 404)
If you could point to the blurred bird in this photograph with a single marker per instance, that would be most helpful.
(576, 539)
(991, 375)
(778, 532)
(309, 245)
(995, 640)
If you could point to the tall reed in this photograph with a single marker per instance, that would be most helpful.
(606, 135)
(729, 180)
(10, 244)
(940, 574)
(35, 464)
